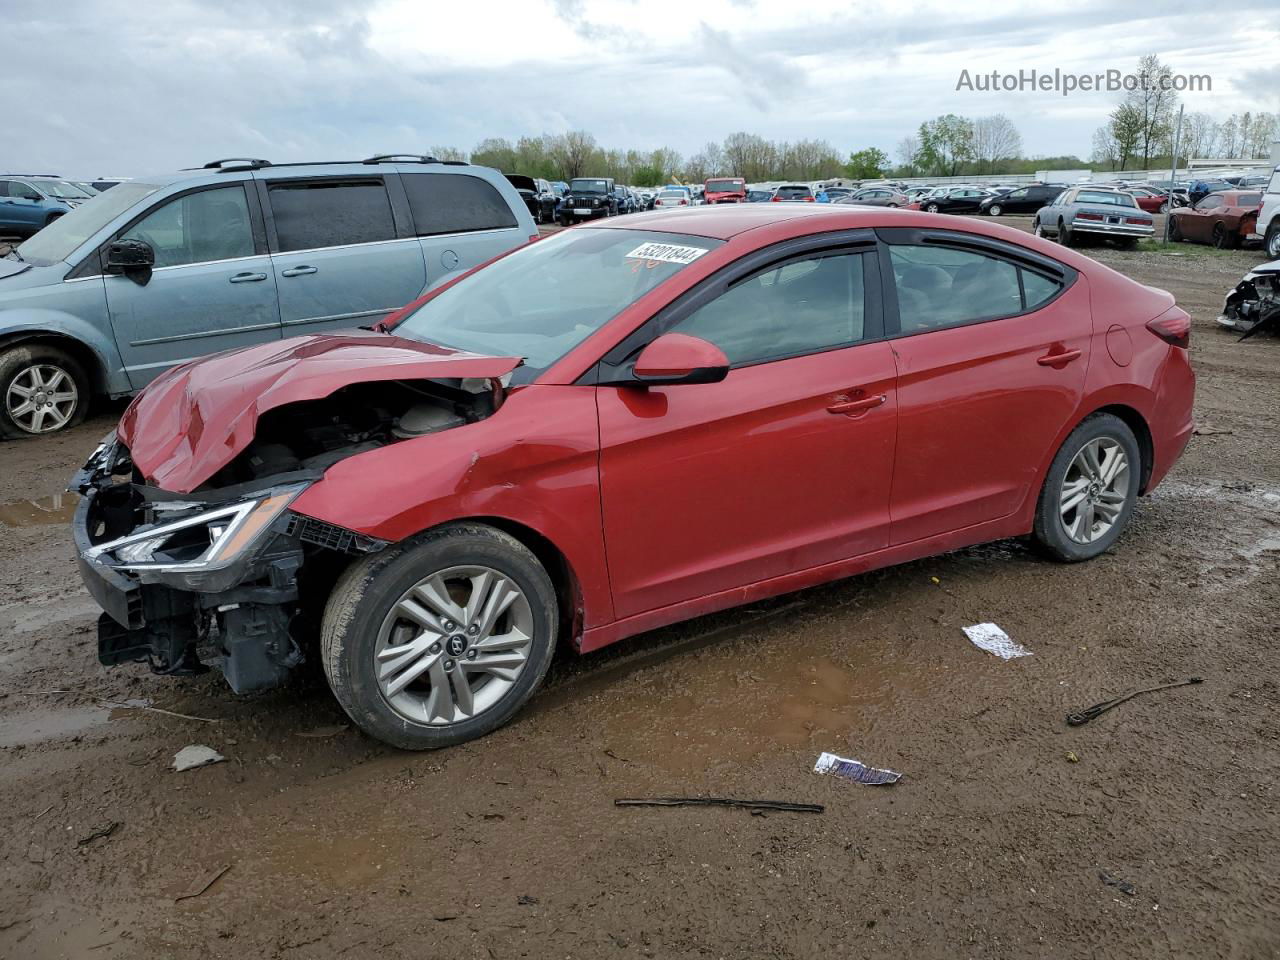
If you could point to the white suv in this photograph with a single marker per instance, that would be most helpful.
(1269, 216)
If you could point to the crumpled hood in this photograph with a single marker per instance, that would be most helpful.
(191, 421)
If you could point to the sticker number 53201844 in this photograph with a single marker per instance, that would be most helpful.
(666, 252)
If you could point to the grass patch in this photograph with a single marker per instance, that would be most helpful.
(1183, 249)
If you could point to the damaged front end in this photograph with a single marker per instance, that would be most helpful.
(1254, 305)
(212, 567)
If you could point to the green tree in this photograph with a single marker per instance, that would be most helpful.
(945, 143)
(866, 164)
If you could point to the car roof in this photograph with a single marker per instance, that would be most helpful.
(730, 220)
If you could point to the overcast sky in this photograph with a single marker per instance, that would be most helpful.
(105, 88)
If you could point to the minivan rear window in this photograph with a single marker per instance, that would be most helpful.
(455, 203)
(310, 214)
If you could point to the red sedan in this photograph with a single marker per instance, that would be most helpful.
(615, 428)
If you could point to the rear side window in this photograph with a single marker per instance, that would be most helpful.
(942, 287)
(800, 307)
(330, 213)
(455, 203)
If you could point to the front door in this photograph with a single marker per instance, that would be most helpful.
(991, 358)
(210, 290)
(784, 465)
(338, 262)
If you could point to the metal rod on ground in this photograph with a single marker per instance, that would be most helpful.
(1173, 172)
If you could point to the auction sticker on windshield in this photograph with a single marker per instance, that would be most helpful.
(666, 252)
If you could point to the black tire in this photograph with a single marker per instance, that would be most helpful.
(1222, 239)
(52, 217)
(1064, 233)
(994, 210)
(364, 596)
(1272, 241)
(1175, 231)
(931, 208)
(18, 359)
(1049, 531)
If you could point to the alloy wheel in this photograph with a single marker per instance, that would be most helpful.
(41, 398)
(453, 645)
(1094, 490)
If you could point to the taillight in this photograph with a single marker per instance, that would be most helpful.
(1138, 220)
(808, 199)
(683, 202)
(1088, 216)
(533, 238)
(1173, 327)
(777, 199)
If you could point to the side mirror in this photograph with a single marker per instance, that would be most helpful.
(133, 258)
(676, 358)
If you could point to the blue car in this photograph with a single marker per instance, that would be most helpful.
(164, 269)
(28, 204)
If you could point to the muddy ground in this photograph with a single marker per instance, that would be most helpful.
(991, 846)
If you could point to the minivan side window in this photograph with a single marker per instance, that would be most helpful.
(311, 214)
(804, 306)
(943, 287)
(198, 228)
(454, 203)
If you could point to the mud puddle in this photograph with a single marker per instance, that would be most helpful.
(58, 508)
(40, 724)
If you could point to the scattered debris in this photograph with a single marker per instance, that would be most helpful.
(196, 755)
(1253, 306)
(1124, 886)
(116, 705)
(42, 813)
(779, 805)
(525, 900)
(1071, 757)
(100, 834)
(613, 756)
(201, 886)
(36, 853)
(1090, 713)
(989, 637)
(1207, 431)
(320, 733)
(854, 770)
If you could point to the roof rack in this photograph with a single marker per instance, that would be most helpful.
(400, 158)
(228, 164)
(236, 163)
(51, 176)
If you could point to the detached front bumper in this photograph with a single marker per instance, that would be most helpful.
(182, 592)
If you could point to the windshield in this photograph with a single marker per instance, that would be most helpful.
(1098, 196)
(725, 186)
(60, 239)
(589, 186)
(59, 188)
(546, 298)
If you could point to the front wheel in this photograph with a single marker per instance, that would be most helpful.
(1037, 229)
(1222, 239)
(43, 389)
(440, 640)
(1090, 491)
(994, 210)
(1273, 239)
(1175, 231)
(931, 208)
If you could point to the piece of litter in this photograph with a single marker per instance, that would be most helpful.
(1124, 886)
(1089, 713)
(854, 770)
(989, 637)
(779, 805)
(188, 758)
(1071, 757)
(320, 733)
(99, 834)
(200, 886)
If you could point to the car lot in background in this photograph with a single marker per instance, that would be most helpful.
(29, 204)
(876, 197)
(964, 199)
(1026, 200)
(159, 270)
(793, 193)
(673, 197)
(725, 190)
(1226, 220)
(1080, 213)
(588, 198)
(537, 195)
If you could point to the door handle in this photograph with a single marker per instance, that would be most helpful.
(862, 405)
(1054, 359)
(297, 271)
(247, 277)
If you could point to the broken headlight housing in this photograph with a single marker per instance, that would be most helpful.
(201, 542)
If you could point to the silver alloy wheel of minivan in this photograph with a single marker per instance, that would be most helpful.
(41, 398)
(453, 645)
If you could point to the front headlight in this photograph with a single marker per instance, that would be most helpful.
(210, 540)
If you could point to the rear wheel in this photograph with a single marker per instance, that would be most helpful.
(1064, 233)
(442, 640)
(1175, 231)
(932, 208)
(1222, 238)
(43, 389)
(994, 210)
(1090, 491)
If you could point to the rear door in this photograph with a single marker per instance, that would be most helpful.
(339, 258)
(992, 345)
(21, 207)
(461, 220)
(784, 465)
(212, 287)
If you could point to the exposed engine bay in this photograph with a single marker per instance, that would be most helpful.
(226, 575)
(1254, 305)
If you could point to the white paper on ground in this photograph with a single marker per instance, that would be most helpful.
(188, 758)
(989, 637)
(854, 770)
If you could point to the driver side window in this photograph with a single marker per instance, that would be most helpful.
(198, 228)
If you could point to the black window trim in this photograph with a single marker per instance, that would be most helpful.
(401, 224)
(1019, 257)
(614, 367)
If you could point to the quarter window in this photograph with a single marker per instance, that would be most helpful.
(803, 306)
(944, 287)
(198, 228)
(455, 203)
(310, 214)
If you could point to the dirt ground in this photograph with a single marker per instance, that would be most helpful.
(991, 846)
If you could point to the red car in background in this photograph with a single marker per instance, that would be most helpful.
(725, 190)
(618, 427)
(1149, 200)
(1225, 219)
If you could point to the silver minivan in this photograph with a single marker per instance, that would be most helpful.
(161, 270)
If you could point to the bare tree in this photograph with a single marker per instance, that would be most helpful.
(572, 152)
(1198, 137)
(1106, 151)
(995, 138)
